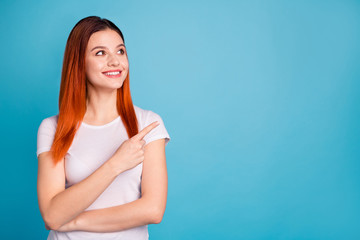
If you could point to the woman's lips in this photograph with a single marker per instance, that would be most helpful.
(112, 75)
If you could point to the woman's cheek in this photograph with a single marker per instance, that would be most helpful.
(125, 64)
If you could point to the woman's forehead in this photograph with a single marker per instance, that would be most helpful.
(106, 38)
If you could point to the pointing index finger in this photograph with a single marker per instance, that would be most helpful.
(146, 130)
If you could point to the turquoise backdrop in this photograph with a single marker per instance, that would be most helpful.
(261, 100)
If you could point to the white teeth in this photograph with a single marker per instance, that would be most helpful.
(112, 73)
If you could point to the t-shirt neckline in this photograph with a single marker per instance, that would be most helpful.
(101, 126)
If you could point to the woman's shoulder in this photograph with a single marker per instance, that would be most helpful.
(145, 114)
(49, 122)
(146, 117)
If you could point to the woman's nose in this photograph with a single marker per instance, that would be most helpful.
(113, 61)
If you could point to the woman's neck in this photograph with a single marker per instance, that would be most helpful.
(100, 107)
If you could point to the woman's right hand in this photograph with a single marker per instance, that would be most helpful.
(131, 151)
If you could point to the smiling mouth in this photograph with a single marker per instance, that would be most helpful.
(112, 74)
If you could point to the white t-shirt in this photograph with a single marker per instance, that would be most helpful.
(92, 146)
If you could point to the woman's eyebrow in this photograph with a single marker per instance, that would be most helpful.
(106, 47)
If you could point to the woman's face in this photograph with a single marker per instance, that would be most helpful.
(106, 62)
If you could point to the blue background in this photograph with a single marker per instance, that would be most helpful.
(260, 98)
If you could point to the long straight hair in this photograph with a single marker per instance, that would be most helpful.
(73, 92)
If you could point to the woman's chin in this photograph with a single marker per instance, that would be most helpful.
(115, 85)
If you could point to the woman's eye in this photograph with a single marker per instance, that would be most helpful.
(122, 51)
(99, 52)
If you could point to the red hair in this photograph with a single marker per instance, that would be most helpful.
(73, 92)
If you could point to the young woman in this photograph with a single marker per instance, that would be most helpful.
(101, 161)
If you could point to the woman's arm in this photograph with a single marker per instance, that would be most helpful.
(149, 209)
(112, 219)
(59, 205)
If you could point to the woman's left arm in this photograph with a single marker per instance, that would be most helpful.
(149, 209)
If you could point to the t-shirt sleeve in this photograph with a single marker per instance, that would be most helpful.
(158, 132)
(45, 135)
